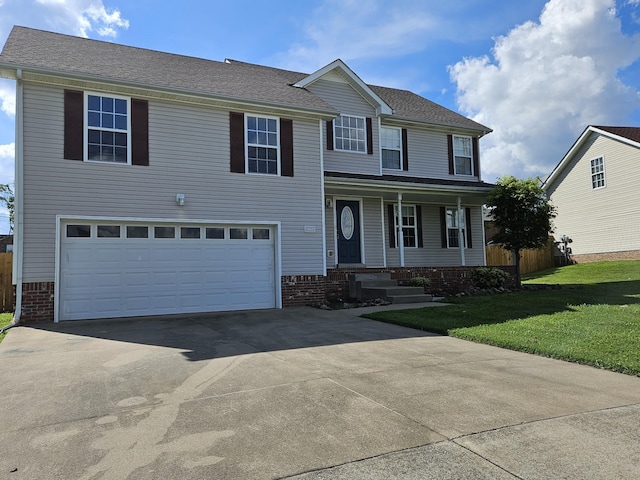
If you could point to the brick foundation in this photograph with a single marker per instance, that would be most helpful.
(37, 302)
(606, 257)
(300, 290)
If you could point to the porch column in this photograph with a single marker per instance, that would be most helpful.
(400, 233)
(460, 233)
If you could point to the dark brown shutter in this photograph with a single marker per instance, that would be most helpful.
(405, 151)
(450, 152)
(392, 226)
(73, 125)
(139, 132)
(286, 147)
(369, 137)
(236, 131)
(476, 157)
(443, 226)
(419, 225)
(467, 217)
(330, 135)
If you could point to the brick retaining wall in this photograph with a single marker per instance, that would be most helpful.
(37, 302)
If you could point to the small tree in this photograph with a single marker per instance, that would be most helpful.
(523, 214)
(8, 198)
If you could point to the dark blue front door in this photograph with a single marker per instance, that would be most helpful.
(348, 228)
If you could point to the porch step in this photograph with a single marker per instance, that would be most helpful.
(369, 293)
(369, 286)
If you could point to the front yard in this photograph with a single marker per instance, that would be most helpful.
(588, 313)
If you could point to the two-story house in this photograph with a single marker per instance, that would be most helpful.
(595, 190)
(151, 183)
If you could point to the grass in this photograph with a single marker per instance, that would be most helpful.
(592, 317)
(5, 319)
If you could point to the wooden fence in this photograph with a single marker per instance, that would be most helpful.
(530, 260)
(7, 290)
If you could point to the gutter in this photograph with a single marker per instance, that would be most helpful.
(19, 197)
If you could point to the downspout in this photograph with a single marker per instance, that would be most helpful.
(400, 233)
(18, 228)
(460, 234)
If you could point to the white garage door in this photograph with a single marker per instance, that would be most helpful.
(112, 269)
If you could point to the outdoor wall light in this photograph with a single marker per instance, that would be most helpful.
(180, 199)
(328, 203)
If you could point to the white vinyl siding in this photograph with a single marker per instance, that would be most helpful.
(604, 219)
(348, 102)
(189, 154)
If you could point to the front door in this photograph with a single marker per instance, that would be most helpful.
(348, 228)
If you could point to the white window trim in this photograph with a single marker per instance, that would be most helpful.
(414, 227)
(593, 175)
(461, 221)
(85, 135)
(247, 144)
(382, 127)
(335, 137)
(455, 167)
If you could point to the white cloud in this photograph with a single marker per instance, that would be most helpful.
(8, 97)
(7, 156)
(545, 82)
(80, 17)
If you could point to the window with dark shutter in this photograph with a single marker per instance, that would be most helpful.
(443, 227)
(405, 151)
(467, 217)
(450, 154)
(286, 147)
(236, 131)
(392, 226)
(330, 135)
(73, 125)
(419, 225)
(369, 137)
(476, 157)
(139, 132)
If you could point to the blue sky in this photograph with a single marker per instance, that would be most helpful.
(537, 72)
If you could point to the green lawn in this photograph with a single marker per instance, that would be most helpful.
(592, 318)
(5, 319)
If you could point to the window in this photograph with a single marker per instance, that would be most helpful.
(137, 232)
(238, 233)
(409, 225)
(597, 173)
(455, 219)
(262, 145)
(260, 234)
(190, 232)
(350, 134)
(107, 135)
(391, 144)
(214, 233)
(108, 231)
(78, 231)
(164, 232)
(462, 155)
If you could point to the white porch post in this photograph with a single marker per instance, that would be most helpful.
(400, 234)
(460, 234)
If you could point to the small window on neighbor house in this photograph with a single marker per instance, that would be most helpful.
(164, 232)
(108, 231)
(350, 133)
(463, 155)
(238, 233)
(261, 234)
(190, 232)
(78, 231)
(597, 173)
(215, 233)
(134, 231)
(391, 143)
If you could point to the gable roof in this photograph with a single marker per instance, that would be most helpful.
(51, 53)
(628, 135)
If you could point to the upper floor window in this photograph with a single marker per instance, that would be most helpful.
(262, 145)
(350, 133)
(463, 155)
(391, 144)
(108, 128)
(597, 173)
(455, 221)
(409, 225)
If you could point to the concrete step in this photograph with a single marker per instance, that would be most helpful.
(423, 298)
(362, 277)
(377, 283)
(357, 281)
(369, 293)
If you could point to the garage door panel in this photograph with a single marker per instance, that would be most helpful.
(125, 277)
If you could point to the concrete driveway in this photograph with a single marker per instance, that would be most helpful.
(301, 393)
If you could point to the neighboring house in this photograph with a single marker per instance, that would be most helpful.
(152, 183)
(6, 243)
(595, 190)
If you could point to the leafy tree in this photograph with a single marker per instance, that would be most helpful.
(8, 198)
(523, 214)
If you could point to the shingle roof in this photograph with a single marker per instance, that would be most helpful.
(632, 133)
(68, 55)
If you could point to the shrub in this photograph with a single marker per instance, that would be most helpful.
(489, 277)
(419, 282)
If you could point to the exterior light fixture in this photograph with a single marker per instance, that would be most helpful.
(180, 199)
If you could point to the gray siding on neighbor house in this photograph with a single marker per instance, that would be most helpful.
(605, 219)
(432, 254)
(348, 102)
(189, 154)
